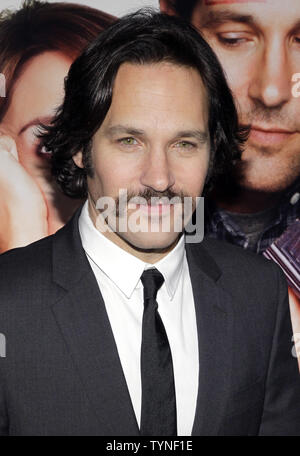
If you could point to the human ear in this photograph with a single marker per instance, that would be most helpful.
(77, 158)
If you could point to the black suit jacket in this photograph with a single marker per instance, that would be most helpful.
(62, 374)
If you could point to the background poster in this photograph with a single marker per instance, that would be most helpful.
(258, 206)
(258, 44)
(115, 7)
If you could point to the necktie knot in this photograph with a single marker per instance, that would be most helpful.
(152, 280)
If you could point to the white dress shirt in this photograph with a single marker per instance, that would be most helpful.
(118, 275)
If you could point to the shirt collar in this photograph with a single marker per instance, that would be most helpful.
(171, 266)
(123, 268)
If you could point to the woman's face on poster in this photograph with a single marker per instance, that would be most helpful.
(35, 95)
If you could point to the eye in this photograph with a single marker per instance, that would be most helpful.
(185, 144)
(41, 150)
(128, 141)
(231, 39)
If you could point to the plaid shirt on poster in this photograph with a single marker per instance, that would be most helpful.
(219, 225)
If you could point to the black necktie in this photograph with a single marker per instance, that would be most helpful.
(158, 414)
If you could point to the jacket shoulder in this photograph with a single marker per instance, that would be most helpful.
(245, 273)
(36, 253)
(228, 256)
(25, 268)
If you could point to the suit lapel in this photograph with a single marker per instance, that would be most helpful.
(214, 323)
(84, 324)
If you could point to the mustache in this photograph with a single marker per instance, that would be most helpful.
(147, 194)
(277, 115)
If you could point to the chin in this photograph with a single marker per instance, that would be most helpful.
(267, 183)
(151, 241)
(267, 177)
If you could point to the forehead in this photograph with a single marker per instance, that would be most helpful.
(39, 88)
(166, 74)
(157, 83)
(157, 94)
(264, 13)
(43, 73)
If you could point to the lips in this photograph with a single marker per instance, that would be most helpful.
(269, 136)
(154, 209)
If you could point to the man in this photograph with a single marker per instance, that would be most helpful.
(114, 331)
(257, 43)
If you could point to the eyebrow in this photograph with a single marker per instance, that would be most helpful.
(220, 17)
(215, 18)
(200, 135)
(123, 129)
(34, 122)
(296, 26)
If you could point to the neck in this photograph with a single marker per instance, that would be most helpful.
(150, 256)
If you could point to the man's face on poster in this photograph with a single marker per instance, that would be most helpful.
(258, 44)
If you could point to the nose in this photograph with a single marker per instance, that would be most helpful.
(157, 174)
(271, 84)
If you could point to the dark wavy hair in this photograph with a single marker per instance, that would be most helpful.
(183, 8)
(141, 38)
